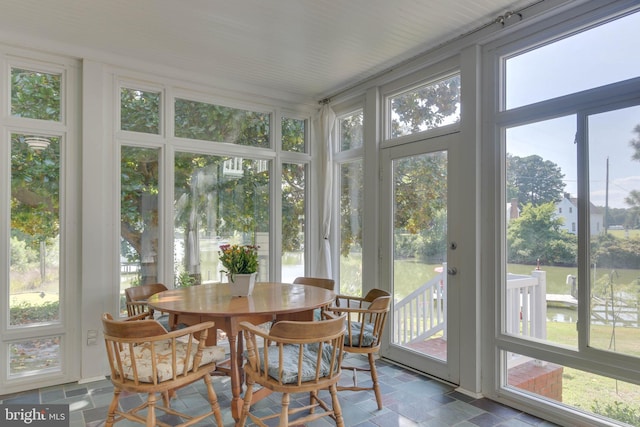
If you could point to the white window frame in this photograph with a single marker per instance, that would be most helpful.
(580, 103)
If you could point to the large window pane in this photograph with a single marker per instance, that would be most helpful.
(218, 200)
(614, 191)
(209, 122)
(140, 111)
(293, 135)
(36, 95)
(602, 55)
(426, 107)
(541, 223)
(35, 230)
(351, 193)
(587, 392)
(293, 221)
(139, 221)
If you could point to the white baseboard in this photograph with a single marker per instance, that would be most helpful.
(90, 380)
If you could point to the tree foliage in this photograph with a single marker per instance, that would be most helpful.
(536, 236)
(425, 107)
(35, 191)
(533, 180)
(633, 199)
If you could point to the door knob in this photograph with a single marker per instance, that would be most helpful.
(452, 271)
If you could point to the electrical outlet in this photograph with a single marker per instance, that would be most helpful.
(92, 337)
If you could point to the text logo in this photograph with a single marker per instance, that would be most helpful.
(54, 415)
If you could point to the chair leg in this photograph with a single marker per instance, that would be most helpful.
(112, 408)
(284, 412)
(151, 410)
(246, 404)
(213, 400)
(374, 379)
(166, 398)
(335, 404)
(313, 397)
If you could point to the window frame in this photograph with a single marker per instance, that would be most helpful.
(583, 103)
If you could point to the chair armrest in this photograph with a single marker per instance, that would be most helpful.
(202, 328)
(140, 316)
(348, 301)
(341, 310)
(137, 307)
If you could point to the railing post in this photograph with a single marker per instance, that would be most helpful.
(539, 305)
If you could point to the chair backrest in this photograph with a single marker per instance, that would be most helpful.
(319, 282)
(143, 292)
(302, 355)
(142, 352)
(367, 318)
(136, 297)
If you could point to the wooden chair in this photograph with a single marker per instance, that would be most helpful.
(366, 317)
(137, 296)
(145, 358)
(297, 357)
(318, 282)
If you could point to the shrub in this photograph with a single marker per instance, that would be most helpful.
(26, 313)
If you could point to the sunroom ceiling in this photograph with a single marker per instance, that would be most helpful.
(292, 49)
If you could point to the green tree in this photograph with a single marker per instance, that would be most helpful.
(351, 186)
(420, 190)
(633, 199)
(426, 107)
(533, 180)
(536, 235)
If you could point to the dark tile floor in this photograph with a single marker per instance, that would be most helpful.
(409, 400)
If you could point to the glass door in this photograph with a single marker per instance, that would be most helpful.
(418, 260)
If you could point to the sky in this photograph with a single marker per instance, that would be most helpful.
(599, 56)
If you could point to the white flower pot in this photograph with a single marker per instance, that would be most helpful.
(242, 284)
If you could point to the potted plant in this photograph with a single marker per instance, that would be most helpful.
(240, 264)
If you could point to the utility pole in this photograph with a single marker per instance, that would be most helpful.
(606, 201)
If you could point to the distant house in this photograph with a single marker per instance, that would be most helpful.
(567, 209)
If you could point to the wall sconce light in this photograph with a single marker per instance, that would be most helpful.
(37, 143)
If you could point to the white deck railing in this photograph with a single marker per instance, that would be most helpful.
(423, 313)
(526, 304)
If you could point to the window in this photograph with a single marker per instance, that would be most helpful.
(38, 256)
(140, 110)
(217, 200)
(36, 94)
(294, 200)
(350, 177)
(35, 228)
(351, 131)
(552, 271)
(294, 135)
(426, 107)
(209, 122)
(294, 224)
(587, 51)
(220, 191)
(139, 217)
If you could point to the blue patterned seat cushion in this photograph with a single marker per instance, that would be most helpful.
(290, 362)
(367, 336)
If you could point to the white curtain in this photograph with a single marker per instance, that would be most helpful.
(323, 139)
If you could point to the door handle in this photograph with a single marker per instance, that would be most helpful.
(452, 271)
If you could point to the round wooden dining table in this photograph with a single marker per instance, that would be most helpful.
(270, 301)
